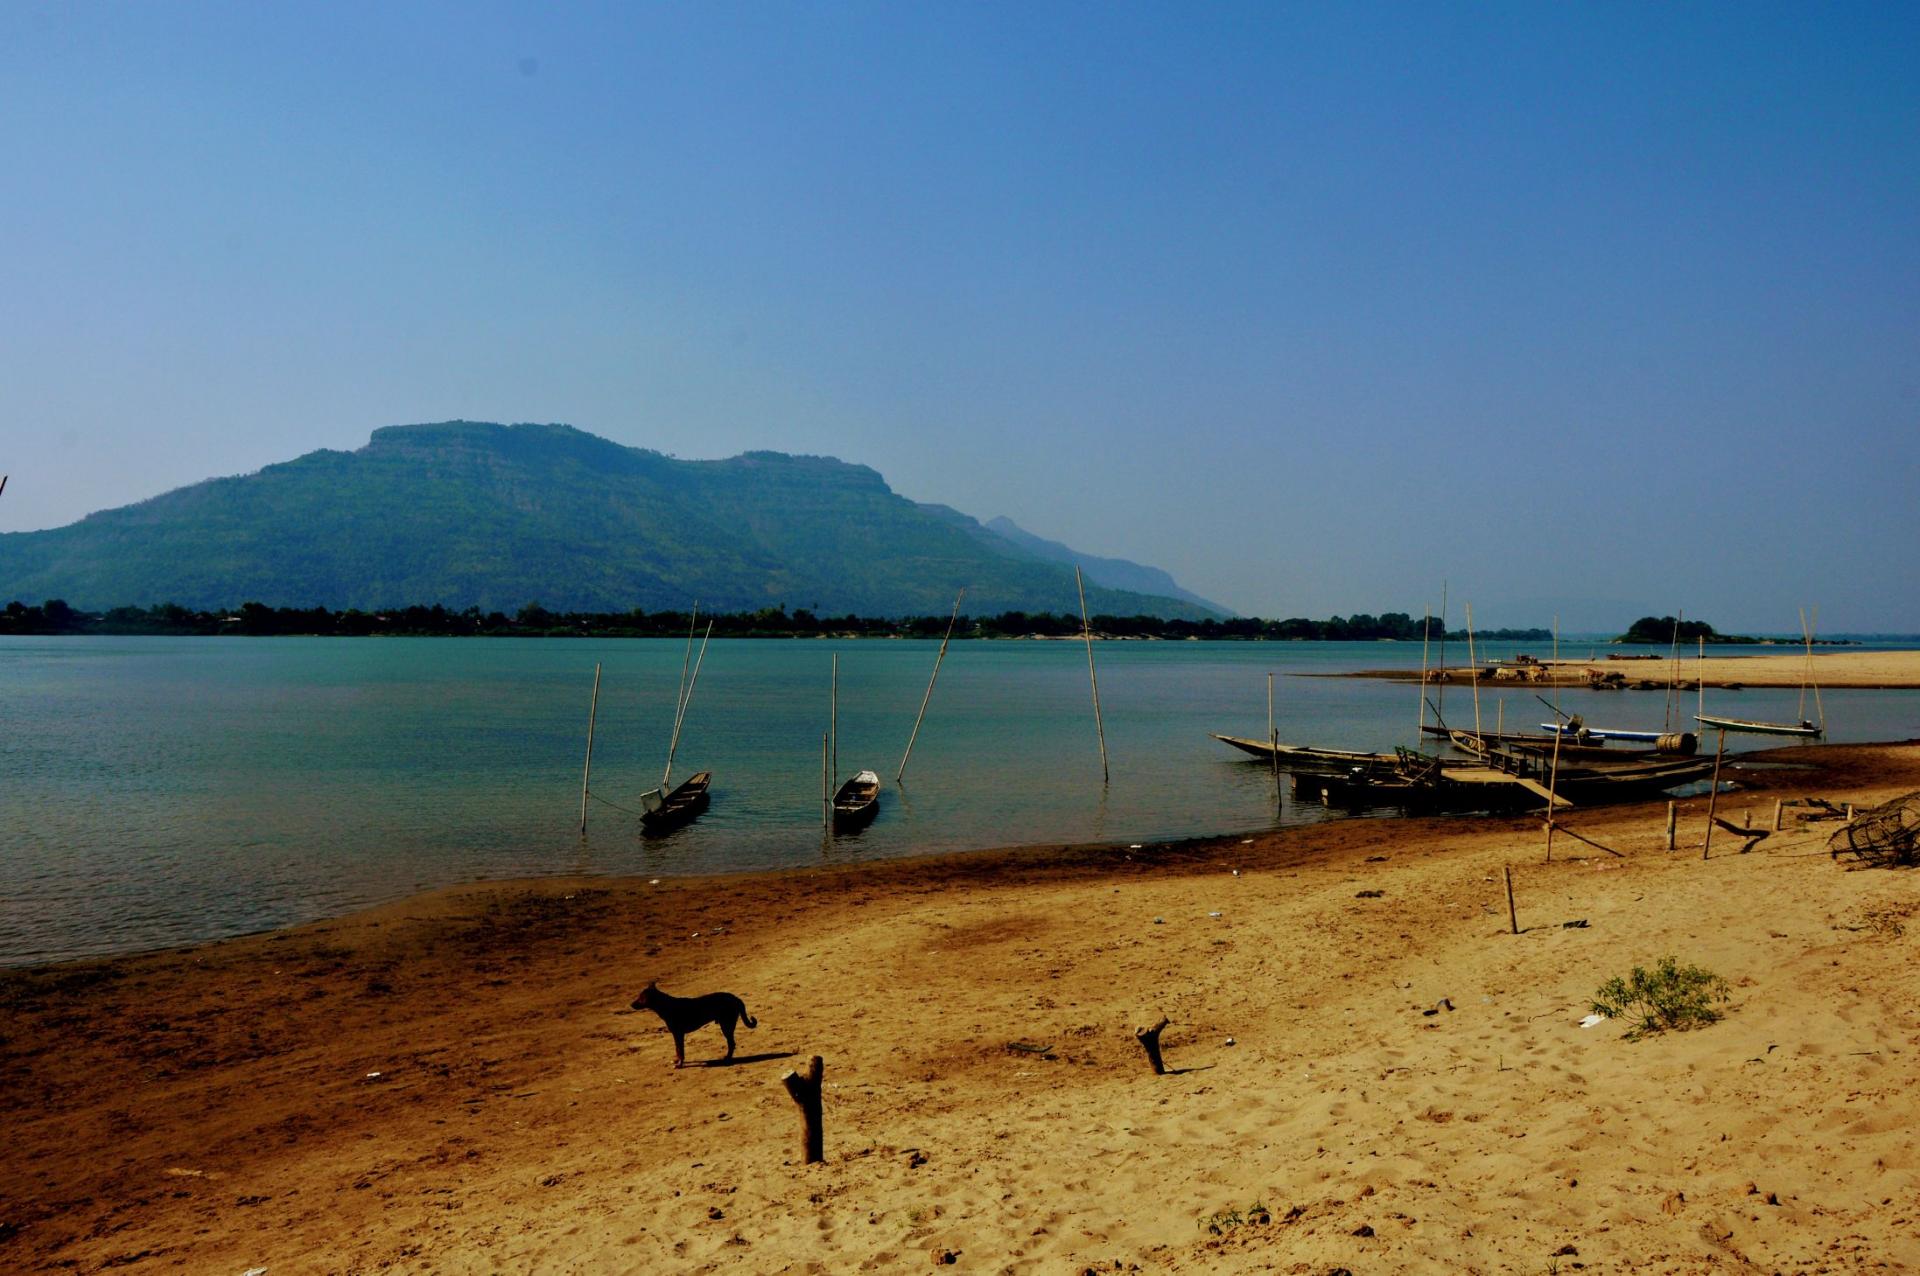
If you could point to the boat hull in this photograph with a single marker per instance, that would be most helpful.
(680, 807)
(857, 801)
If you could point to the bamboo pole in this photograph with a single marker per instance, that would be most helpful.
(1553, 777)
(936, 677)
(1713, 798)
(1440, 703)
(586, 773)
(1513, 918)
(1673, 818)
(1673, 669)
(1806, 632)
(1086, 628)
(1426, 638)
(826, 796)
(1273, 735)
(1700, 683)
(833, 716)
(1556, 669)
(674, 746)
(1474, 662)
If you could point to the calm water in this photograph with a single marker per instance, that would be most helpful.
(157, 791)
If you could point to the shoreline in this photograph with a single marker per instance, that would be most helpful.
(454, 1082)
(1893, 670)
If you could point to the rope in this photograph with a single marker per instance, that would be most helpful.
(615, 805)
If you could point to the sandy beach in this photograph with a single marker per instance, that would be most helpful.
(1830, 668)
(1369, 1072)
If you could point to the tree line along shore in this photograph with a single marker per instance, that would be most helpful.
(56, 617)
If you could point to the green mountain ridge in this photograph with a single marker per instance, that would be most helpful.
(468, 513)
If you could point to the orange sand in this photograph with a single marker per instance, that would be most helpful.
(454, 1084)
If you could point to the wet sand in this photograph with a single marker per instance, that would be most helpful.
(455, 1084)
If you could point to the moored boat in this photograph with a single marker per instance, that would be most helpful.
(1803, 729)
(857, 801)
(1306, 759)
(665, 811)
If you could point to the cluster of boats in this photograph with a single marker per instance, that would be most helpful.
(669, 807)
(1565, 765)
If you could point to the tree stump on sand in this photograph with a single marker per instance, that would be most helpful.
(1149, 1039)
(805, 1091)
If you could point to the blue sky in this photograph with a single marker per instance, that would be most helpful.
(1589, 311)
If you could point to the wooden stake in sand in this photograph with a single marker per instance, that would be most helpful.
(593, 711)
(1513, 919)
(1713, 798)
(1776, 815)
(1149, 1039)
(936, 677)
(1086, 628)
(805, 1091)
(1672, 820)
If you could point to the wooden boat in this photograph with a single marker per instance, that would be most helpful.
(857, 801)
(1590, 781)
(1306, 759)
(1421, 782)
(1677, 741)
(1804, 730)
(668, 811)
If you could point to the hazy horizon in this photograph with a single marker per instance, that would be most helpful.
(1588, 313)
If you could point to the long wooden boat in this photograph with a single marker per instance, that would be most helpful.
(1306, 759)
(1605, 733)
(1804, 730)
(1422, 782)
(668, 811)
(1591, 780)
(857, 801)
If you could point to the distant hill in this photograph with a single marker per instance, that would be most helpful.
(1114, 573)
(466, 513)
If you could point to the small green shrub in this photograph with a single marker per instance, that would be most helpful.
(1224, 1221)
(1672, 996)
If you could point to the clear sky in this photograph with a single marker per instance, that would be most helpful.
(1587, 310)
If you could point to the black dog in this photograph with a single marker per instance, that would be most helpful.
(683, 1014)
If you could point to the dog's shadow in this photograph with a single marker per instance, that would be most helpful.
(739, 1059)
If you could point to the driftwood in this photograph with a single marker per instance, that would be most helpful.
(1149, 1039)
(806, 1092)
(1753, 835)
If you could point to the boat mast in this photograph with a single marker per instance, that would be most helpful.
(674, 746)
(1806, 631)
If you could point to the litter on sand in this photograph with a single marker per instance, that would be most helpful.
(1591, 1020)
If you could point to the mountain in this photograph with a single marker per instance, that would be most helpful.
(467, 513)
(1114, 573)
